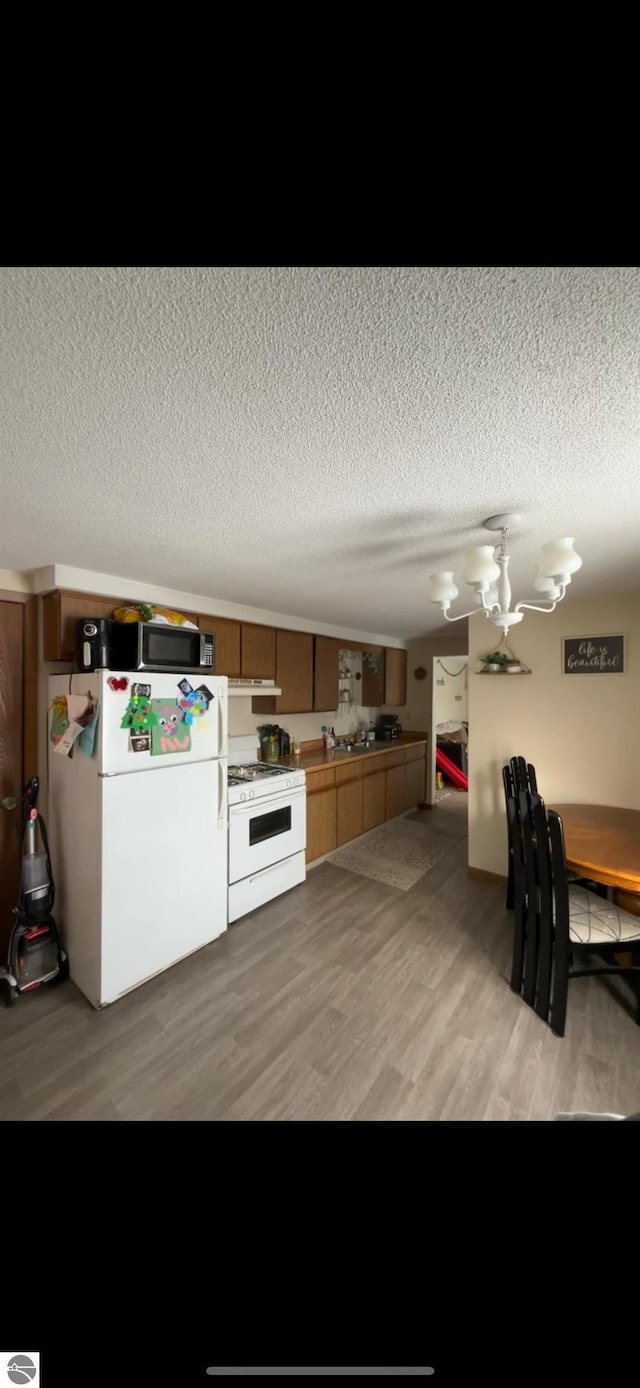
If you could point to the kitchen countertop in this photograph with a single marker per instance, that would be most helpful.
(315, 758)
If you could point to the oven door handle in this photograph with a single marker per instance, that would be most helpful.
(265, 805)
(263, 872)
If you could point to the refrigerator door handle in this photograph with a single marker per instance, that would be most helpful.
(222, 795)
(222, 723)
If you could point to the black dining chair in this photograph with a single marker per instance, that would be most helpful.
(509, 792)
(519, 888)
(517, 775)
(528, 802)
(520, 775)
(571, 922)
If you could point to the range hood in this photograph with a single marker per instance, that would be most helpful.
(249, 687)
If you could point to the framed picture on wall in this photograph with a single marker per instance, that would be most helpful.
(593, 655)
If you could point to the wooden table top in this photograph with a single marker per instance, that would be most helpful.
(603, 842)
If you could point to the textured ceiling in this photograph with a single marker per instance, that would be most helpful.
(318, 440)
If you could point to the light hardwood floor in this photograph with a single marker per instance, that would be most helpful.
(344, 999)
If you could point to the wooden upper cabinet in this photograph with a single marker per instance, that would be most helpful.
(294, 676)
(257, 652)
(61, 610)
(395, 676)
(226, 650)
(373, 677)
(325, 675)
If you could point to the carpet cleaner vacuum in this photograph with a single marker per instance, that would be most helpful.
(35, 954)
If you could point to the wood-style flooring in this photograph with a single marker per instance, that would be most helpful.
(343, 999)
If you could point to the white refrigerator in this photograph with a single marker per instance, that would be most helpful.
(138, 828)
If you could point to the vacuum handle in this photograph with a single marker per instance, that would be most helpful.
(30, 793)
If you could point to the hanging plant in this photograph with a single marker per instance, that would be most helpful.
(503, 662)
(496, 660)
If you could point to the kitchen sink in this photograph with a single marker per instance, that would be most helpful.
(362, 747)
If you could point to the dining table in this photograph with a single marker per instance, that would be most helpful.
(602, 842)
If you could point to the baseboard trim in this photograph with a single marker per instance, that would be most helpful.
(486, 876)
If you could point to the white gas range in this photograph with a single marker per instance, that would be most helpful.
(267, 828)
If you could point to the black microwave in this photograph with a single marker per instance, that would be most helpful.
(103, 644)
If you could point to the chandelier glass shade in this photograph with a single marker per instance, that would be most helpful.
(486, 571)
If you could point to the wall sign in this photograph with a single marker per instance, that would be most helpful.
(593, 655)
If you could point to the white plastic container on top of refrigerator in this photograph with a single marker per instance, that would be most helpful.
(140, 860)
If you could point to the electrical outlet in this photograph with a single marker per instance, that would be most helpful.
(458, 698)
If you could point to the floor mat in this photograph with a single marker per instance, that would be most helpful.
(397, 854)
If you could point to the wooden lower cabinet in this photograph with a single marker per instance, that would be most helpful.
(322, 817)
(349, 811)
(415, 783)
(396, 799)
(374, 800)
(344, 801)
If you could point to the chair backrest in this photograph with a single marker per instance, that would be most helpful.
(559, 875)
(507, 781)
(524, 775)
(545, 867)
(517, 853)
(525, 823)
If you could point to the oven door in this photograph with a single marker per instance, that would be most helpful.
(266, 831)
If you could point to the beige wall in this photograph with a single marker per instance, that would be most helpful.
(306, 726)
(581, 732)
(14, 582)
(416, 716)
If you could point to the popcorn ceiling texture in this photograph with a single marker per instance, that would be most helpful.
(318, 440)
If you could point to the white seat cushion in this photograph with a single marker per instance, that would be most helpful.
(594, 921)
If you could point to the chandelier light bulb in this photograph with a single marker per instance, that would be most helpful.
(545, 585)
(481, 566)
(443, 588)
(559, 560)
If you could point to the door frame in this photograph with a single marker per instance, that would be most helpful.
(29, 602)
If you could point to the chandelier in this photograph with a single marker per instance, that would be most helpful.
(487, 572)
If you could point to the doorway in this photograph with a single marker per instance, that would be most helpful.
(18, 739)
(447, 766)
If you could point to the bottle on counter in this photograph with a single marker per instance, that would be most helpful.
(295, 746)
(285, 743)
